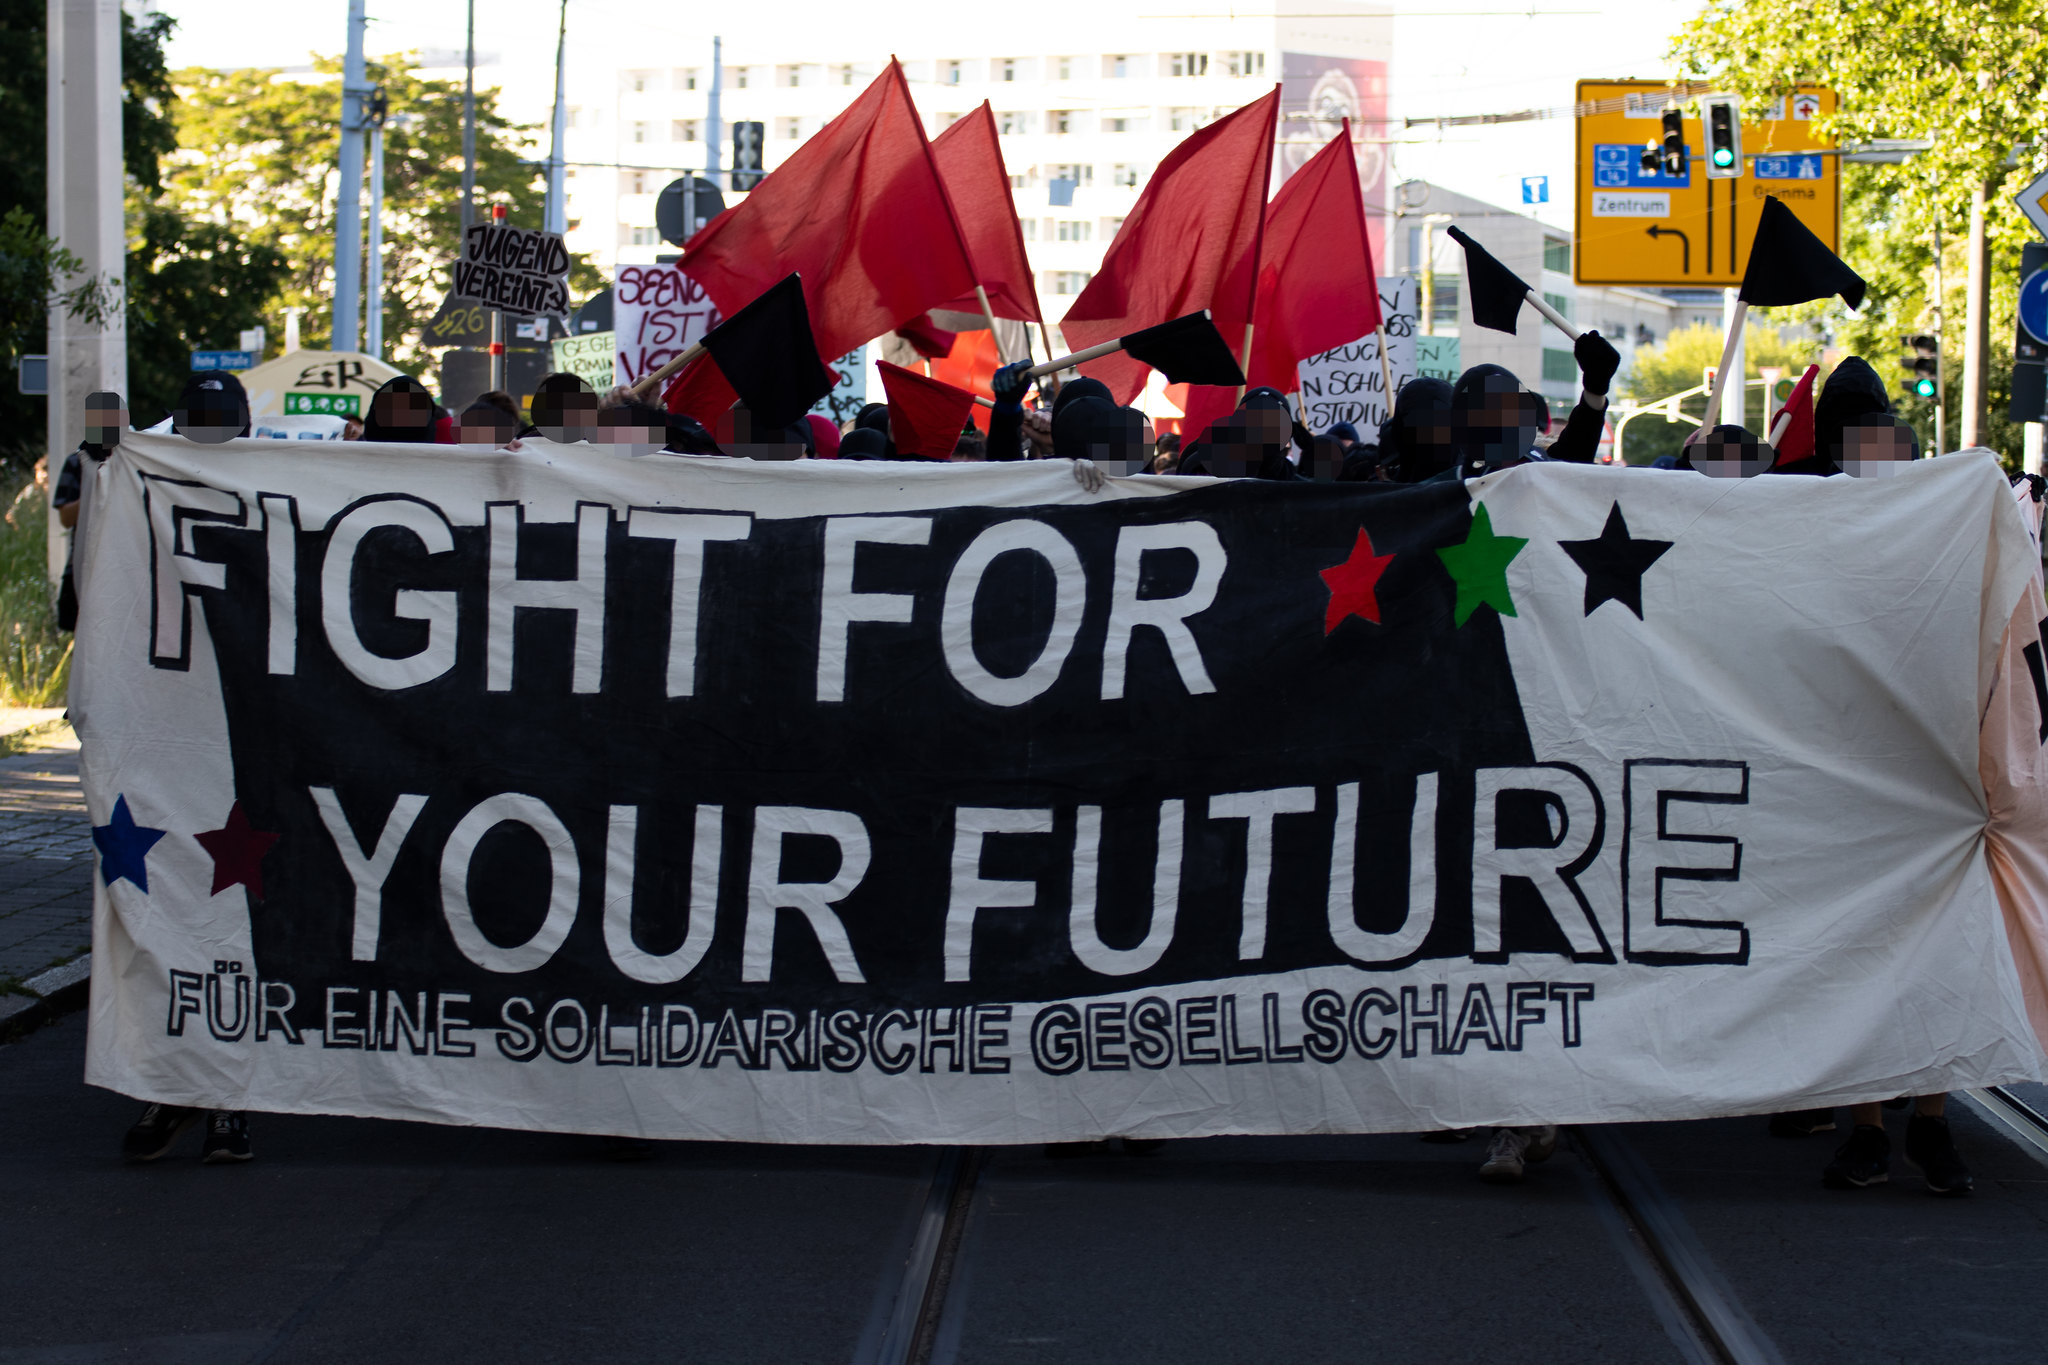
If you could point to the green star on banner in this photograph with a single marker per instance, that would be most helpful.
(1480, 567)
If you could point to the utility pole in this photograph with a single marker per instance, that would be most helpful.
(558, 202)
(712, 135)
(469, 125)
(373, 266)
(1940, 355)
(1976, 322)
(348, 215)
(82, 211)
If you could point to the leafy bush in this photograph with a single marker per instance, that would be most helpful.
(35, 656)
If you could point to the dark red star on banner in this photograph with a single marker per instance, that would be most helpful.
(237, 851)
(1352, 584)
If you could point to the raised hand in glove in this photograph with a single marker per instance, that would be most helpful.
(1010, 384)
(1598, 360)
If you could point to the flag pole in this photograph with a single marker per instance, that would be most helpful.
(989, 315)
(1736, 321)
(1067, 362)
(648, 381)
(1245, 361)
(1386, 366)
(1536, 301)
(1784, 418)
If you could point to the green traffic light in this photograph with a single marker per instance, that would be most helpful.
(1924, 387)
(1723, 157)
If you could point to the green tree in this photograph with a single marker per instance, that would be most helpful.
(260, 148)
(1678, 363)
(1970, 76)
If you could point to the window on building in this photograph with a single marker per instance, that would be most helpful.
(1080, 175)
(1073, 232)
(639, 81)
(686, 79)
(739, 78)
(1068, 281)
(952, 73)
(1180, 120)
(1443, 312)
(789, 77)
(1124, 175)
(1247, 64)
(1557, 255)
(1006, 69)
(843, 73)
(791, 128)
(1059, 120)
(636, 183)
(1111, 227)
(1014, 122)
(1116, 68)
(639, 132)
(1188, 64)
(1559, 367)
(684, 130)
(643, 236)
(575, 116)
(1063, 68)
(1027, 228)
(1560, 302)
(1116, 125)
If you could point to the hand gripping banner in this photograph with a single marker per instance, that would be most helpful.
(953, 803)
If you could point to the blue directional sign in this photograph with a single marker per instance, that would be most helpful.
(223, 360)
(1619, 166)
(1788, 168)
(2034, 305)
(1535, 189)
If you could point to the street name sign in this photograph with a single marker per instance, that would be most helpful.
(1651, 228)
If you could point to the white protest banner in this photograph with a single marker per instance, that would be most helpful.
(590, 357)
(1437, 358)
(1347, 384)
(823, 801)
(519, 271)
(658, 312)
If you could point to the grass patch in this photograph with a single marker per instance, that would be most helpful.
(35, 656)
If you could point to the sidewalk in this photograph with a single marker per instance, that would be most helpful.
(46, 855)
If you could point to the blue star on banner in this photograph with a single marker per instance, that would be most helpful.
(124, 847)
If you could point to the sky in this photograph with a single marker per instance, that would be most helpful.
(1450, 57)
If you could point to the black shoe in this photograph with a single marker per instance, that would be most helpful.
(1931, 1150)
(1864, 1160)
(156, 1132)
(1799, 1123)
(227, 1136)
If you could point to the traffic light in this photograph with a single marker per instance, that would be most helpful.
(1722, 118)
(1673, 157)
(1922, 364)
(746, 154)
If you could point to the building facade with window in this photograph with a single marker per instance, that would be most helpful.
(1082, 129)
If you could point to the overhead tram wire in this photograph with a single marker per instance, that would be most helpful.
(1675, 93)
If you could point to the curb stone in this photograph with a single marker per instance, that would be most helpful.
(57, 991)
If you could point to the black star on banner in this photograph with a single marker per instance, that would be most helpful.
(1614, 563)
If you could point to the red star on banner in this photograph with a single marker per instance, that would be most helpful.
(1352, 584)
(237, 852)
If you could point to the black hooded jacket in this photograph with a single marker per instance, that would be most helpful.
(376, 428)
(1852, 393)
(212, 393)
(1416, 435)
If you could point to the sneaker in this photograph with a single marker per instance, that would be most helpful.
(1542, 1142)
(1799, 1123)
(1864, 1160)
(1931, 1150)
(156, 1131)
(1503, 1164)
(227, 1137)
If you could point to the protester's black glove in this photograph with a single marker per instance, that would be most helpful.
(1010, 384)
(1598, 360)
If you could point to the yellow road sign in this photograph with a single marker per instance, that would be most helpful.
(1638, 227)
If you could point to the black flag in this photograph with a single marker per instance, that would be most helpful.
(1497, 292)
(1188, 350)
(766, 352)
(1788, 264)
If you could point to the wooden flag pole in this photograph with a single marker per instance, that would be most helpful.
(1245, 361)
(1735, 326)
(1386, 366)
(649, 381)
(1536, 301)
(989, 314)
(1067, 362)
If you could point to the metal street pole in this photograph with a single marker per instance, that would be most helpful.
(373, 265)
(469, 125)
(1734, 391)
(558, 202)
(348, 216)
(1976, 322)
(712, 135)
(1940, 351)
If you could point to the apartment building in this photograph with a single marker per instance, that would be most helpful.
(1082, 128)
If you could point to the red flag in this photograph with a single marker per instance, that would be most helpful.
(925, 416)
(970, 160)
(700, 390)
(859, 211)
(1797, 441)
(970, 365)
(926, 337)
(1191, 242)
(1317, 287)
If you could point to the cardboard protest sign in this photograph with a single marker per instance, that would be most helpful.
(658, 312)
(1347, 384)
(591, 357)
(1437, 358)
(516, 270)
(845, 802)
